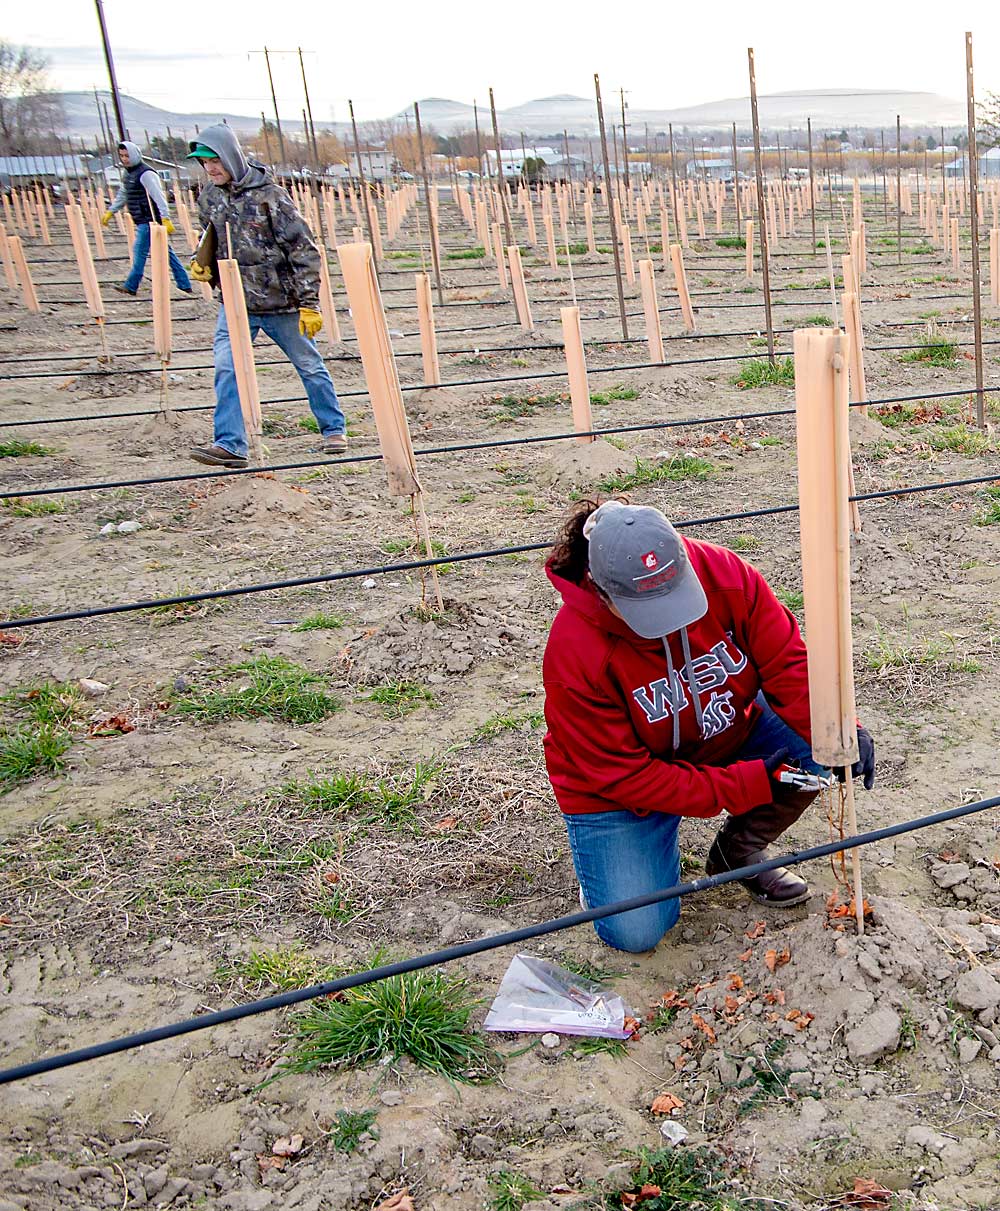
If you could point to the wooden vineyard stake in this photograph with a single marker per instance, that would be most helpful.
(823, 448)
(500, 258)
(588, 218)
(627, 255)
(382, 379)
(830, 274)
(852, 324)
(43, 224)
(994, 266)
(576, 367)
(956, 262)
(234, 303)
(326, 307)
(680, 281)
(88, 275)
(428, 338)
(126, 218)
(9, 271)
(550, 240)
(162, 328)
(654, 334)
(664, 237)
(28, 293)
(521, 303)
(748, 238)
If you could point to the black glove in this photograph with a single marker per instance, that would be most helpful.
(864, 767)
(776, 760)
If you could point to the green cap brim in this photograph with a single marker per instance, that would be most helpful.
(201, 152)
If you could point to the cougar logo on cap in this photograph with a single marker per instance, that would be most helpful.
(649, 560)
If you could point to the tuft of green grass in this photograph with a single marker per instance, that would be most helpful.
(320, 622)
(989, 515)
(679, 467)
(509, 1191)
(422, 1015)
(587, 970)
(391, 800)
(399, 698)
(265, 687)
(688, 1179)
(934, 350)
(31, 750)
(504, 721)
(23, 449)
(466, 254)
(959, 439)
(884, 654)
(618, 392)
(22, 506)
(792, 598)
(284, 967)
(761, 373)
(348, 1127)
(746, 542)
(731, 241)
(309, 423)
(616, 1048)
(513, 407)
(51, 704)
(814, 321)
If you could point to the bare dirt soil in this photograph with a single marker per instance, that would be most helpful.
(138, 883)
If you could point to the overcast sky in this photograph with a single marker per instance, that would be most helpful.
(193, 55)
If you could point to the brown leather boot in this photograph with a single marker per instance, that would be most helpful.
(743, 840)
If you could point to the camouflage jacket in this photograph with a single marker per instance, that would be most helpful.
(279, 263)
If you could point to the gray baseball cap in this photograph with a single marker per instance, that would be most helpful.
(639, 560)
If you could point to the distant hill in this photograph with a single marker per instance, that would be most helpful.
(830, 108)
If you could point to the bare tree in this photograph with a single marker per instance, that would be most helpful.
(987, 121)
(28, 107)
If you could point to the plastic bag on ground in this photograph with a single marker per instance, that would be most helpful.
(537, 996)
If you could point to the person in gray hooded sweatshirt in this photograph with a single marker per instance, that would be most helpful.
(253, 220)
(142, 192)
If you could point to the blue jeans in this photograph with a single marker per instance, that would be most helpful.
(283, 329)
(619, 855)
(140, 253)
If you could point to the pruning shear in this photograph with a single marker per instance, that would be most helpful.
(791, 775)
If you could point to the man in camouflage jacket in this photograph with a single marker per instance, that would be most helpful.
(251, 219)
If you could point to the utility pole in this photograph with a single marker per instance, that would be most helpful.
(113, 79)
(365, 200)
(760, 208)
(974, 225)
(274, 102)
(673, 178)
(736, 185)
(311, 130)
(508, 228)
(812, 188)
(624, 136)
(435, 256)
(611, 209)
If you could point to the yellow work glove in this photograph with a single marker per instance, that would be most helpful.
(106, 218)
(168, 226)
(200, 273)
(310, 322)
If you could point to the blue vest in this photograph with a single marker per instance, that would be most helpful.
(136, 197)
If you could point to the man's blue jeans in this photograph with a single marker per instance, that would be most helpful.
(140, 253)
(283, 329)
(619, 855)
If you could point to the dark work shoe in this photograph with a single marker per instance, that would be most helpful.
(216, 456)
(123, 289)
(186, 289)
(781, 888)
(335, 443)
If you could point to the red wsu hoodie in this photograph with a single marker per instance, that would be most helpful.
(609, 703)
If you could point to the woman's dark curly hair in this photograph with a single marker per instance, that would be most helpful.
(570, 557)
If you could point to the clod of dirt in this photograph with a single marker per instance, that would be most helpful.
(575, 465)
(255, 498)
(152, 433)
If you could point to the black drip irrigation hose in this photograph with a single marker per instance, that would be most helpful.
(464, 557)
(464, 950)
(463, 447)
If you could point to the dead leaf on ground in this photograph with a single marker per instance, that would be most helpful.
(639, 1196)
(672, 999)
(114, 725)
(777, 958)
(948, 855)
(801, 1020)
(745, 956)
(700, 1024)
(666, 1103)
(287, 1145)
(777, 997)
(756, 930)
(735, 982)
(866, 1195)
(400, 1201)
(12, 641)
(445, 823)
(270, 1162)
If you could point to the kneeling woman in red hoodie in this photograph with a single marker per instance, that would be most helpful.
(675, 685)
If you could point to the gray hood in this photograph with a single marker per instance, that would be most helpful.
(134, 153)
(226, 146)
